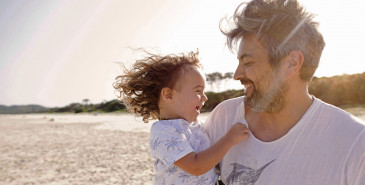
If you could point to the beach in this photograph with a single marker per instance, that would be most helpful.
(76, 149)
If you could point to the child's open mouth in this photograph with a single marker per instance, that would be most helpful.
(197, 108)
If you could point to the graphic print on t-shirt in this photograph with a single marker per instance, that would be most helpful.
(245, 175)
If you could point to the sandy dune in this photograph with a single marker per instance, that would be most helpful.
(75, 149)
(48, 149)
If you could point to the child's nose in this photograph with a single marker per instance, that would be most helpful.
(205, 98)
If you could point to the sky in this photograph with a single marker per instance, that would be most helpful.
(58, 52)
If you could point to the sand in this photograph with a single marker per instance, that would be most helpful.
(75, 149)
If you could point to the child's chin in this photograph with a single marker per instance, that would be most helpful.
(191, 120)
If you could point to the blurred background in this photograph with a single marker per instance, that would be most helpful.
(57, 52)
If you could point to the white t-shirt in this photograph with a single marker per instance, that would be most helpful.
(325, 147)
(170, 140)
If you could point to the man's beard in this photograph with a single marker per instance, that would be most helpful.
(270, 101)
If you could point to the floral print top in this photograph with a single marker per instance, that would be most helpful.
(170, 140)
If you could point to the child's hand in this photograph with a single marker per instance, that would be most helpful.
(238, 133)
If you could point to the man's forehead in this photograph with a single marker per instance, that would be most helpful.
(245, 48)
(241, 51)
(248, 47)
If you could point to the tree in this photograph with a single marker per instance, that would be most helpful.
(215, 79)
(86, 101)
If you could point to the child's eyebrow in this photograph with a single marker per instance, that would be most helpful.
(202, 86)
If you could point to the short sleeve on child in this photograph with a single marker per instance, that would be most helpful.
(168, 142)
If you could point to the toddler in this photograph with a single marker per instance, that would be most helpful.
(171, 89)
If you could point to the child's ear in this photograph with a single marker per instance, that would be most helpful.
(167, 95)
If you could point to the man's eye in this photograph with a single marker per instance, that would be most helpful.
(247, 63)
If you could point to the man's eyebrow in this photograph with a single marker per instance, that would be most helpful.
(243, 56)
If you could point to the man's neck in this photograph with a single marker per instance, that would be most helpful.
(272, 126)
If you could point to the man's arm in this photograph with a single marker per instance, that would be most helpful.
(356, 162)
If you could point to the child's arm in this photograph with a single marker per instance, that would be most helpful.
(202, 162)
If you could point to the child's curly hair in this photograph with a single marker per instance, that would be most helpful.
(140, 87)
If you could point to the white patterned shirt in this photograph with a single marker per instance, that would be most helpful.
(170, 140)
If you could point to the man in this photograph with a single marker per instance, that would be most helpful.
(295, 138)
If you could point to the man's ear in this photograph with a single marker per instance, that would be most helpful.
(167, 95)
(294, 62)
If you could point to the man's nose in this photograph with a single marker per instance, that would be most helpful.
(239, 73)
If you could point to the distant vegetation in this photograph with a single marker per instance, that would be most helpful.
(342, 91)
(21, 109)
(215, 98)
(110, 106)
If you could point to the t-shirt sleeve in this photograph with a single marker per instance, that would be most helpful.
(168, 143)
(356, 162)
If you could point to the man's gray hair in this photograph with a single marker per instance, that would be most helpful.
(281, 26)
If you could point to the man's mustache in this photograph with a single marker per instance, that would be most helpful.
(246, 81)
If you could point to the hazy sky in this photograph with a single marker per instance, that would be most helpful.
(56, 52)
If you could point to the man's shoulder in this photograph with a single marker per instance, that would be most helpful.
(337, 114)
(341, 124)
(223, 114)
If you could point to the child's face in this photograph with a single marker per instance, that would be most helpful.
(190, 97)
